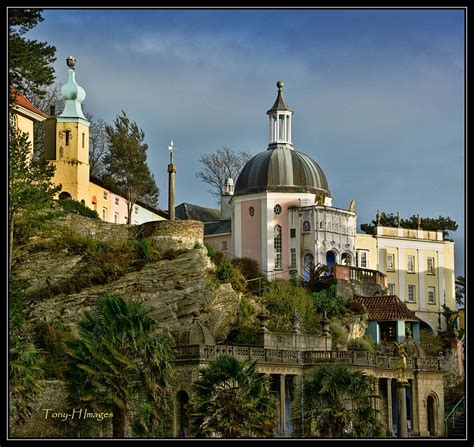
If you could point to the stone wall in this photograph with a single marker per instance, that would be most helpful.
(348, 289)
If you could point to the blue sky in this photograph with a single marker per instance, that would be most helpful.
(378, 95)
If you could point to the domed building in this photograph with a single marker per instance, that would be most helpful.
(281, 208)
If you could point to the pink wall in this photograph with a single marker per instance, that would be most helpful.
(216, 242)
(121, 209)
(252, 230)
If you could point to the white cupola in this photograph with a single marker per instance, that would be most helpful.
(280, 121)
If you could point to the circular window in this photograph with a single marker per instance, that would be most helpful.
(252, 211)
(277, 209)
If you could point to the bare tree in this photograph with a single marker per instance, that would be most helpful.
(218, 166)
(98, 145)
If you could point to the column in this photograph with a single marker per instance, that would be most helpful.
(237, 230)
(389, 405)
(400, 331)
(171, 172)
(402, 409)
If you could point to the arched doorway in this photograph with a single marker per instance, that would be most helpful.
(183, 421)
(431, 414)
(346, 259)
(330, 261)
(308, 262)
(65, 196)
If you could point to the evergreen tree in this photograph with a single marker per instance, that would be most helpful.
(120, 362)
(30, 186)
(126, 163)
(29, 61)
(232, 400)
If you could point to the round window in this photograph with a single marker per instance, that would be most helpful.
(251, 211)
(277, 209)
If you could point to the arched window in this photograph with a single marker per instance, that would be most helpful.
(183, 422)
(277, 246)
(306, 226)
(65, 196)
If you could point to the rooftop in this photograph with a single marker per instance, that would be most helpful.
(386, 308)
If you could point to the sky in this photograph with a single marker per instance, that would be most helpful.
(378, 94)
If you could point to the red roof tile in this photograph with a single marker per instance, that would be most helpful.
(386, 308)
(23, 102)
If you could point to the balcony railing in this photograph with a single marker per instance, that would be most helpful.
(302, 358)
(367, 276)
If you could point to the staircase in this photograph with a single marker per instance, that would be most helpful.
(456, 421)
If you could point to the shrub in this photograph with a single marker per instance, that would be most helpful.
(248, 267)
(227, 273)
(339, 335)
(74, 206)
(329, 301)
(144, 250)
(283, 299)
(216, 256)
(430, 343)
(361, 344)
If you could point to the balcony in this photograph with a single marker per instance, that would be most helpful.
(365, 276)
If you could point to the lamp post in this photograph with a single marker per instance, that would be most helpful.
(172, 174)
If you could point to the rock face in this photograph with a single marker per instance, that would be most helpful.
(174, 287)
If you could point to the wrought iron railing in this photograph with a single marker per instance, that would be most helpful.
(460, 406)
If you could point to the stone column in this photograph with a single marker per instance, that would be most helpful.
(402, 409)
(389, 405)
(282, 405)
(172, 173)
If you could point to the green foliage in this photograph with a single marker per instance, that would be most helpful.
(329, 302)
(317, 281)
(339, 335)
(282, 300)
(450, 335)
(431, 343)
(126, 162)
(426, 223)
(144, 250)
(460, 290)
(246, 333)
(232, 400)
(24, 370)
(339, 403)
(216, 256)
(29, 61)
(227, 273)
(119, 361)
(197, 246)
(248, 267)
(361, 344)
(76, 207)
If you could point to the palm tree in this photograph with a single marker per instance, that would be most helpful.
(339, 403)
(119, 361)
(232, 400)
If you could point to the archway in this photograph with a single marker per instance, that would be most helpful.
(346, 259)
(308, 262)
(431, 414)
(65, 196)
(330, 260)
(183, 421)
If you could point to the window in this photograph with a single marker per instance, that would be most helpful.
(293, 257)
(391, 288)
(430, 266)
(105, 195)
(83, 139)
(431, 295)
(306, 226)
(321, 224)
(224, 245)
(117, 200)
(411, 264)
(68, 134)
(251, 211)
(390, 262)
(116, 218)
(277, 246)
(277, 209)
(292, 232)
(361, 259)
(104, 213)
(411, 294)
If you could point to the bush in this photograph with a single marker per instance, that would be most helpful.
(361, 344)
(144, 250)
(339, 335)
(73, 206)
(216, 256)
(282, 300)
(227, 273)
(329, 302)
(430, 343)
(248, 267)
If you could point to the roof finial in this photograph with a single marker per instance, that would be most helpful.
(71, 61)
(280, 85)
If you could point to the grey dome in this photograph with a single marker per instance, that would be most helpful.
(196, 333)
(280, 169)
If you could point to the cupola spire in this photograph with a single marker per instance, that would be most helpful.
(73, 94)
(280, 122)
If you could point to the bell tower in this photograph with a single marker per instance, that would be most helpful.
(280, 122)
(71, 140)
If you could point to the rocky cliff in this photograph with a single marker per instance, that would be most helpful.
(64, 271)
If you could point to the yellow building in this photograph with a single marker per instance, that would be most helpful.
(419, 266)
(67, 148)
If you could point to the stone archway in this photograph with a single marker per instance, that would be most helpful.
(307, 261)
(330, 260)
(431, 415)
(65, 196)
(182, 400)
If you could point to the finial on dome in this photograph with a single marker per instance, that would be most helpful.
(280, 85)
(71, 61)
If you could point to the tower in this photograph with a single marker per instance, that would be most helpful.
(225, 198)
(280, 122)
(171, 191)
(67, 140)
